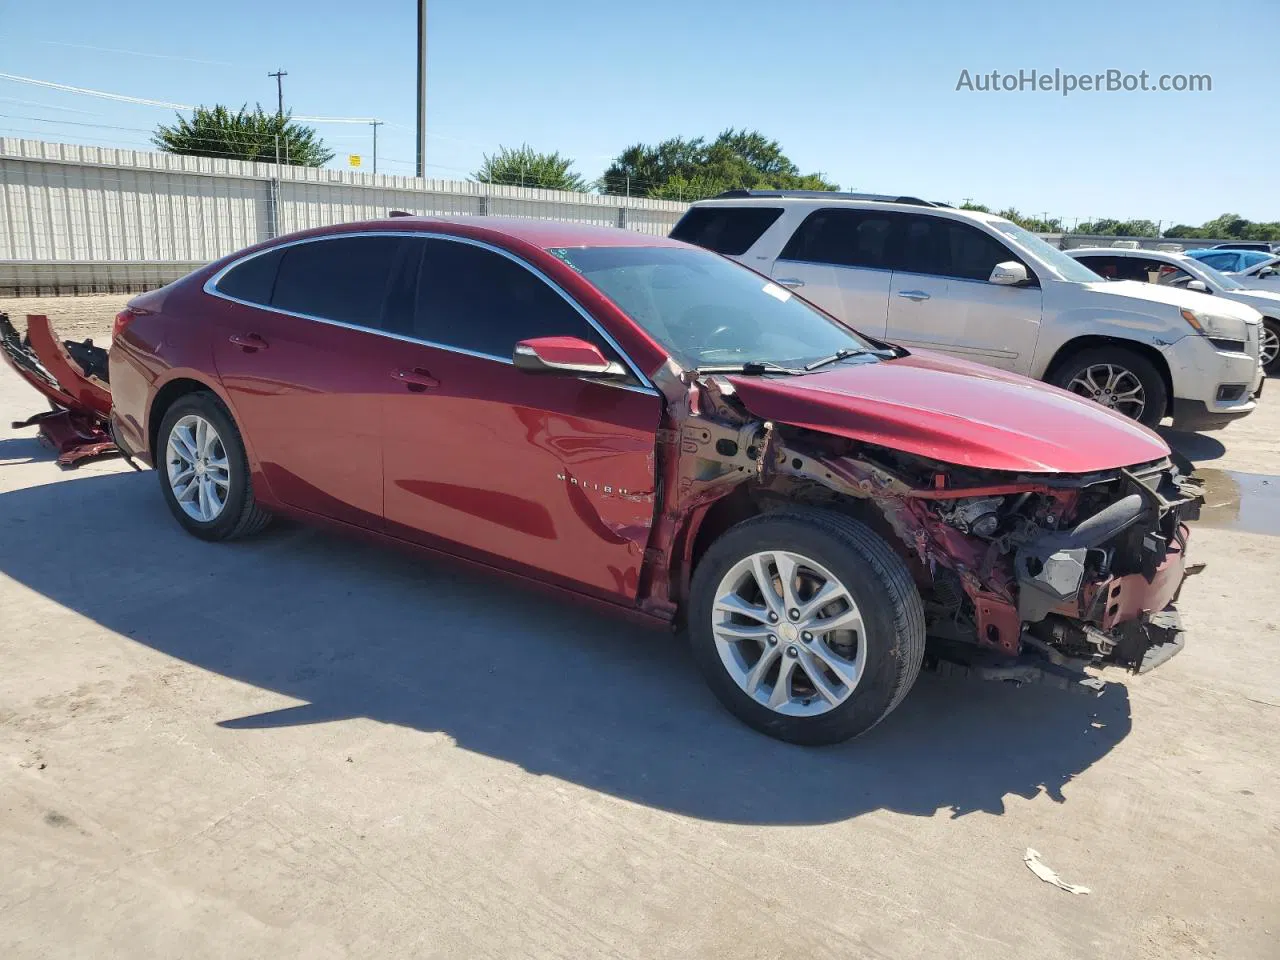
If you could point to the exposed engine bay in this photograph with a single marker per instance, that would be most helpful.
(1019, 573)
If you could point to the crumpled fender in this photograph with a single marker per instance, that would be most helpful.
(78, 425)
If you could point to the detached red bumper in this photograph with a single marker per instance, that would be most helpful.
(73, 378)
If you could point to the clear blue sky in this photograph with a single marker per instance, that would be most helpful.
(864, 92)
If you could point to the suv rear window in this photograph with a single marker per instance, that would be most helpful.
(727, 230)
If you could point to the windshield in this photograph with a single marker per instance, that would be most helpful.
(1064, 266)
(1215, 278)
(706, 310)
(1251, 258)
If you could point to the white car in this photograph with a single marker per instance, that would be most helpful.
(1189, 273)
(1261, 276)
(979, 287)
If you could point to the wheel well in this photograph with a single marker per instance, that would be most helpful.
(728, 511)
(166, 397)
(1072, 347)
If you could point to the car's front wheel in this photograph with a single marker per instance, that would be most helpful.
(1270, 353)
(204, 472)
(806, 625)
(1117, 378)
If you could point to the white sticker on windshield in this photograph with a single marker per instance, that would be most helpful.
(775, 291)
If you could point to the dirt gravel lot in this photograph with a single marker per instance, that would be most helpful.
(305, 746)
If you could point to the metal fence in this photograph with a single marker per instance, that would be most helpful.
(82, 219)
(85, 219)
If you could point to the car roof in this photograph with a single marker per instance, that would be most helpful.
(539, 233)
(819, 198)
(1127, 252)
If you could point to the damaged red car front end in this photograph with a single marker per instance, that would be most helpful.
(1044, 535)
(73, 378)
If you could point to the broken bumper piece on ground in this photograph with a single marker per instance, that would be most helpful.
(73, 378)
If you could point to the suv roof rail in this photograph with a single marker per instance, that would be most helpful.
(827, 195)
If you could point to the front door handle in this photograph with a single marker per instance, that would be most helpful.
(249, 342)
(791, 282)
(416, 379)
(916, 295)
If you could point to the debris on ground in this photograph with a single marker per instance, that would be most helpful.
(1046, 873)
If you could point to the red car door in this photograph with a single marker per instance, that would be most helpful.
(548, 475)
(299, 353)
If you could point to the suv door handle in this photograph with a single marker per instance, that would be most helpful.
(791, 282)
(916, 295)
(416, 379)
(249, 342)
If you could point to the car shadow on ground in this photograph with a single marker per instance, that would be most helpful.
(1196, 447)
(358, 630)
(23, 450)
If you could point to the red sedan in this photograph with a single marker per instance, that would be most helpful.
(646, 424)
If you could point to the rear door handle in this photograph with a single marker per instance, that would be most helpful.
(249, 342)
(916, 295)
(416, 379)
(791, 282)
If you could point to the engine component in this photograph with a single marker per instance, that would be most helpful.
(977, 515)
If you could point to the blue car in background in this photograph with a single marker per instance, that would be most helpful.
(1230, 261)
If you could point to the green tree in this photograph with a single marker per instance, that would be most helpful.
(244, 135)
(681, 169)
(525, 167)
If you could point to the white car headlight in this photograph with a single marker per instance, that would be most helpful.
(1216, 327)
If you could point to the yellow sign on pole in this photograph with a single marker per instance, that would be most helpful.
(353, 159)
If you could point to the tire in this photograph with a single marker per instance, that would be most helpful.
(1271, 335)
(1129, 366)
(889, 644)
(239, 514)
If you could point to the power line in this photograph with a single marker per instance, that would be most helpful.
(148, 102)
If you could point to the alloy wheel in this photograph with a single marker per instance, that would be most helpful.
(197, 467)
(1270, 345)
(1113, 386)
(789, 633)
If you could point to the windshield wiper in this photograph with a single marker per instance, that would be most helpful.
(843, 353)
(751, 368)
(847, 352)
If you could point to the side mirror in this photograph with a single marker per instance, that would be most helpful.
(567, 356)
(1266, 272)
(1198, 286)
(1008, 274)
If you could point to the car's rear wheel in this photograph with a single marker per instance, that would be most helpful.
(1119, 379)
(806, 625)
(204, 473)
(1270, 353)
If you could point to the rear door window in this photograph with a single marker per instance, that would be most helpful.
(727, 230)
(343, 279)
(844, 238)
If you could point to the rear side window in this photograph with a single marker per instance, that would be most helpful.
(474, 299)
(253, 279)
(1106, 267)
(846, 238)
(727, 230)
(342, 279)
(1221, 261)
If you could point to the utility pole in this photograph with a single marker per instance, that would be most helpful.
(279, 75)
(375, 124)
(422, 88)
